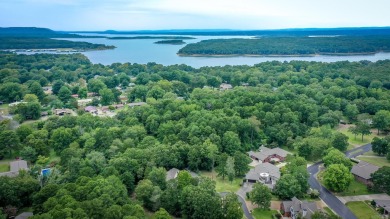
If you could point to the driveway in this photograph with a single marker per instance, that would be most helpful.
(243, 204)
(331, 200)
(345, 199)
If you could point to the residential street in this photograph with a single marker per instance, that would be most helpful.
(331, 200)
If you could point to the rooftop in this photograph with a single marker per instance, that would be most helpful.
(364, 169)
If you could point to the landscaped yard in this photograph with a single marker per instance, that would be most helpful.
(4, 167)
(355, 188)
(223, 185)
(362, 210)
(355, 142)
(263, 214)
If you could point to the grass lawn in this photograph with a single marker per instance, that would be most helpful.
(329, 211)
(355, 188)
(263, 214)
(223, 185)
(377, 161)
(4, 109)
(4, 167)
(355, 142)
(362, 210)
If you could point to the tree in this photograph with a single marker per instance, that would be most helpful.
(221, 168)
(161, 214)
(30, 110)
(95, 85)
(241, 163)
(340, 141)
(57, 85)
(287, 187)
(231, 142)
(351, 112)
(158, 177)
(197, 202)
(30, 98)
(9, 142)
(28, 153)
(381, 180)
(231, 207)
(363, 128)
(381, 146)
(334, 156)
(36, 88)
(83, 93)
(107, 96)
(230, 168)
(381, 120)
(62, 137)
(184, 179)
(64, 94)
(261, 195)
(337, 177)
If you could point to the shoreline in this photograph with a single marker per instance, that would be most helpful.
(278, 55)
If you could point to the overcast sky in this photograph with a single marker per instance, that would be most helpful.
(192, 14)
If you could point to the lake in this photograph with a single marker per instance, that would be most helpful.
(143, 51)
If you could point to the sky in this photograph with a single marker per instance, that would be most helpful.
(192, 14)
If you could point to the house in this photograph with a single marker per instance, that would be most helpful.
(15, 103)
(265, 173)
(90, 109)
(24, 215)
(225, 86)
(298, 209)
(83, 102)
(136, 104)
(172, 174)
(15, 167)
(385, 204)
(266, 155)
(61, 112)
(44, 113)
(362, 172)
(91, 94)
(75, 95)
(48, 90)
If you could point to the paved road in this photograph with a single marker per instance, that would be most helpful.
(331, 200)
(243, 204)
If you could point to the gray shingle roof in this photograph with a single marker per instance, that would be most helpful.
(300, 206)
(172, 174)
(254, 173)
(364, 169)
(383, 203)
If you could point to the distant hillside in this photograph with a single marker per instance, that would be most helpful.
(40, 38)
(37, 32)
(354, 31)
(289, 46)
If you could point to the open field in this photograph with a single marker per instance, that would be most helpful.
(362, 210)
(223, 185)
(356, 141)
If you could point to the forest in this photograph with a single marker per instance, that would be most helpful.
(170, 42)
(115, 167)
(304, 46)
(45, 43)
(40, 38)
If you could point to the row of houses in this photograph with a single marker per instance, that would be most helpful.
(267, 173)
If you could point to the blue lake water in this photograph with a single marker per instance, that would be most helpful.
(143, 51)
